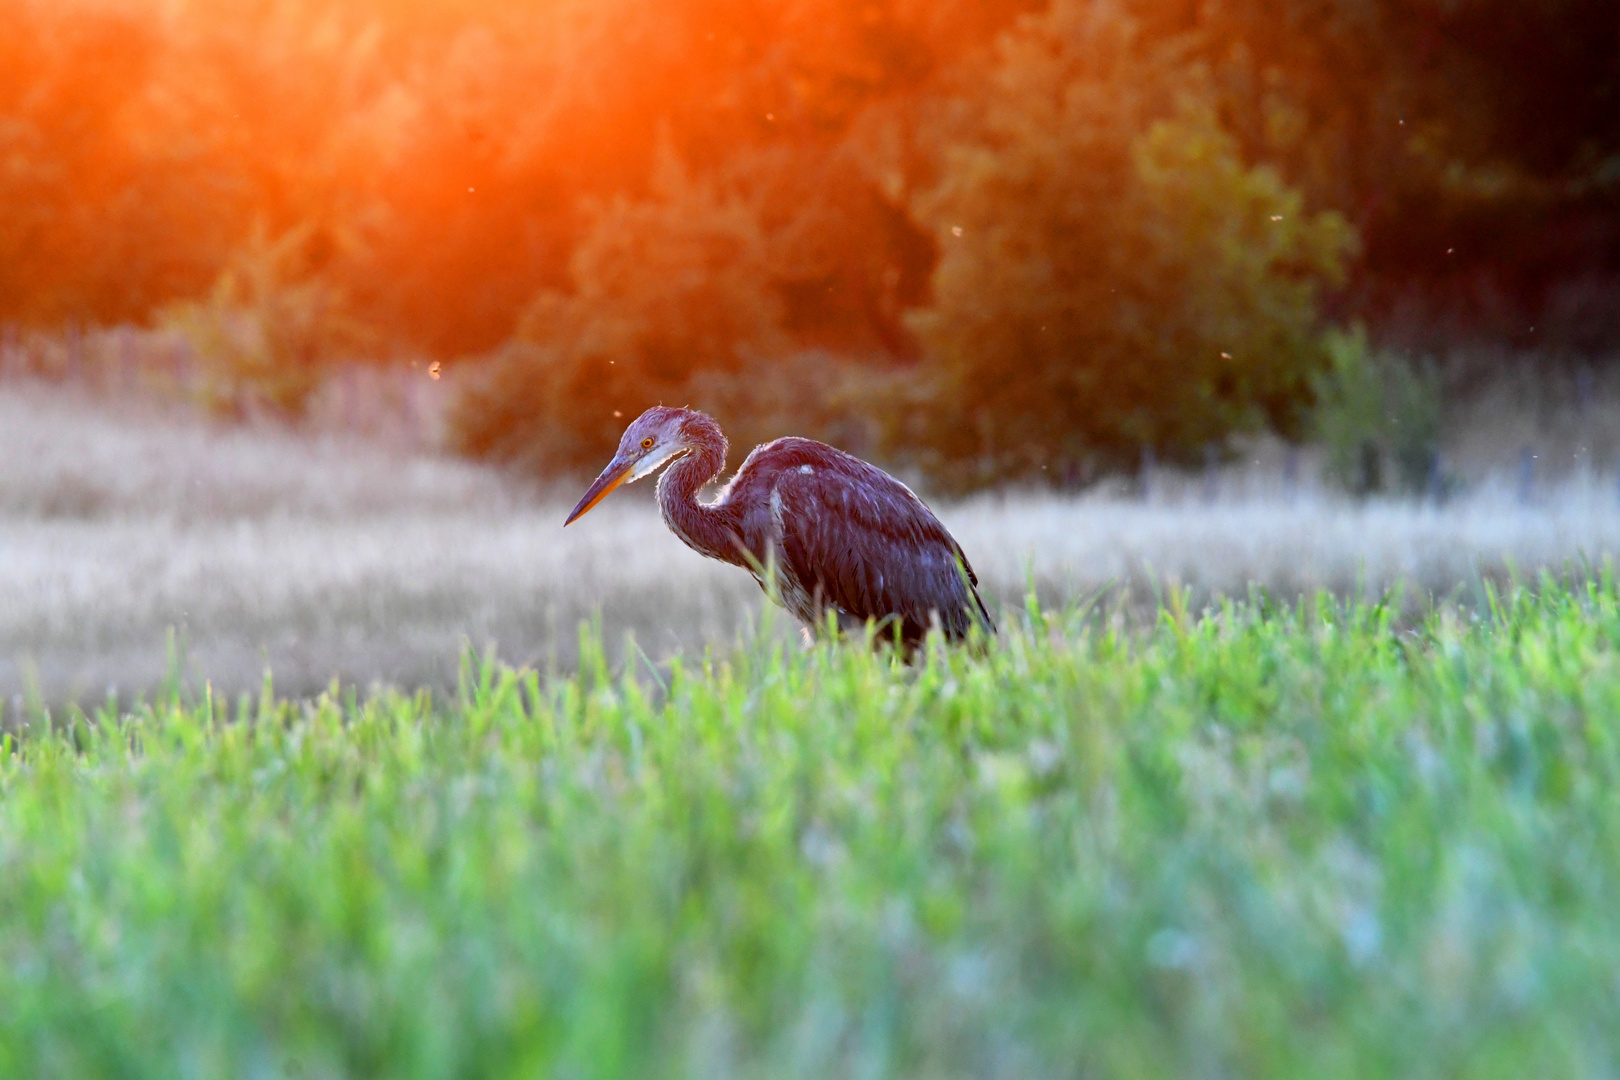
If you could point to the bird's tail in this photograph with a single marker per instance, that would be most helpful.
(976, 611)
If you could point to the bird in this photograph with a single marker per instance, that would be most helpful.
(820, 530)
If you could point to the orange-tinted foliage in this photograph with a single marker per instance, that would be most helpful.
(443, 155)
(71, 183)
(1062, 206)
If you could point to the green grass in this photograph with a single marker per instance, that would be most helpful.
(1260, 842)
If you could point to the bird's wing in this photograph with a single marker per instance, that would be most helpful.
(872, 549)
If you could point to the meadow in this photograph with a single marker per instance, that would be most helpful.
(1255, 780)
(1260, 354)
(1265, 841)
(140, 542)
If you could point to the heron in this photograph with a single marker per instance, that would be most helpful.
(821, 531)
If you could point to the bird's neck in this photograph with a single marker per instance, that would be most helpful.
(705, 529)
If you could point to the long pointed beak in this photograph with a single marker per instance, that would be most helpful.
(615, 474)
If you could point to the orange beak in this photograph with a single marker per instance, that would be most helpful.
(615, 474)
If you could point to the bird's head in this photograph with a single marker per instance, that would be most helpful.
(654, 439)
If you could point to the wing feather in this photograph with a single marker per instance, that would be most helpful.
(858, 540)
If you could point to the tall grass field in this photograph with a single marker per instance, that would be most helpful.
(1260, 841)
(317, 553)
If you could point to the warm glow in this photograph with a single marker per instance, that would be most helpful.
(442, 151)
(1052, 205)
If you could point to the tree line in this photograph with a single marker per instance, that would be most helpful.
(986, 239)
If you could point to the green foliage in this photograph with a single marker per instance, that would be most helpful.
(1261, 842)
(814, 393)
(141, 139)
(661, 288)
(676, 300)
(1113, 274)
(269, 328)
(1377, 416)
(1140, 185)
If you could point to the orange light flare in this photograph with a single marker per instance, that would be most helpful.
(440, 156)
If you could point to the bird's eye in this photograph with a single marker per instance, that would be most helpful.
(646, 444)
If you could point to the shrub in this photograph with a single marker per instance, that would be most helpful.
(676, 300)
(1377, 416)
(1112, 275)
(268, 328)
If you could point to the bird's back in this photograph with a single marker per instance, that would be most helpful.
(846, 535)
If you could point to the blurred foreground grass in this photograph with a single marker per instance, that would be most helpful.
(1261, 842)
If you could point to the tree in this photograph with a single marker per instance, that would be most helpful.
(662, 288)
(1113, 274)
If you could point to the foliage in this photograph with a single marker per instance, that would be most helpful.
(675, 300)
(661, 288)
(812, 393)
(461, 167)
(1262, 841)
(1123, 278)
(268, 328)
(92, 226)
(1377, 416)
(1472, 145)
(143, 140)
(1113, 274)
(516, 407)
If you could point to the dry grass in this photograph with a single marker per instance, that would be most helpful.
(323, 557)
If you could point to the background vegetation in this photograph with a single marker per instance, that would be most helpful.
(135, 541)
(976, 238)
